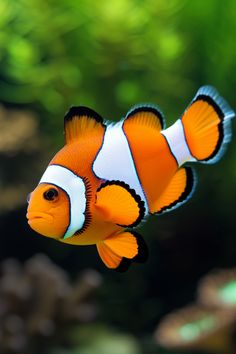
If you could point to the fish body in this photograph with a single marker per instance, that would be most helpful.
(109, 177)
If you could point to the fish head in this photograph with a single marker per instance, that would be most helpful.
(48, 210)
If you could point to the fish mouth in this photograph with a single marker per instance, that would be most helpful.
(32, 216)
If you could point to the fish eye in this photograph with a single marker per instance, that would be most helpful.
(28, 198)
(51, 194)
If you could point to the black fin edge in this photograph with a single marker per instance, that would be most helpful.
(82, 111)
(221, 115)
(188, 191)
(147, 108)
(88, 214)
(88, 195)
(136, 197)
(212, 102)
(141, 257)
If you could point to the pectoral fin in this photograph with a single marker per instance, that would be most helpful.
(120, 250)
(120, 204)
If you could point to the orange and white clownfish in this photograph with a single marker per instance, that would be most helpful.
(109, 176)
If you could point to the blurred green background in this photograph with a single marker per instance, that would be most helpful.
(110, 55)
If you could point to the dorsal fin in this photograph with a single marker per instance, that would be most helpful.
(146, 115)
(80, 120)
(178, 191)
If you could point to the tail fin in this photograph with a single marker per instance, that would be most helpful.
(206, 124)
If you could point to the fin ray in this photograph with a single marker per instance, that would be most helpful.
(120, 204)
(206, 125)
(179, 190)
(120, 250)
(123, 244)
(148, 116)
(109, 258)
(80, 120)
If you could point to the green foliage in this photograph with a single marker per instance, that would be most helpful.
(111, 55)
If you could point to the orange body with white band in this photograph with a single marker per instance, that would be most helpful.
(109, 177)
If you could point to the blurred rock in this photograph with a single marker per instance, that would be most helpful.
(39, 305)
(19, 148)
(218, 289)
(196, 327)
(18, 131)
(209, 324)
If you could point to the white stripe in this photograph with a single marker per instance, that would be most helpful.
(177, 142)
(114, 161)
(74, 186)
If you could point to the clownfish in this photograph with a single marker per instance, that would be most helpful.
(110, 176)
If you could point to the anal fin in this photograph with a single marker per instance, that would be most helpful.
(109, 258)
(120, 250)
(179, 190)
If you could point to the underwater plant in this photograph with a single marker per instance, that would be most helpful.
(219, 289)
(210, 323)
(39, 304)
(196, 327)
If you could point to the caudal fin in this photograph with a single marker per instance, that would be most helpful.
(206, 124)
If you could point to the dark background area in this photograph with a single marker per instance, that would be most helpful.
(110, 56)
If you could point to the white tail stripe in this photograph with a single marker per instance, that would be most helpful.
(115, 162)
(177, 143)
(74, 186)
